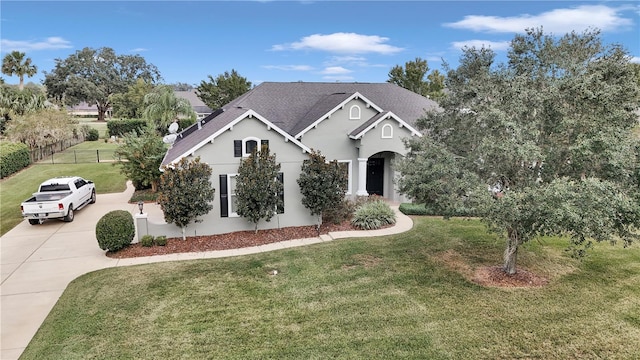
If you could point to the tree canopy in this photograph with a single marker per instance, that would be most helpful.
(323, 184)
(549, 134)
(185, 192)
(130, 105)
(141, 157)
(221, 90)
(414, 77)
(93, 75)
(14, 63)
(258, 189)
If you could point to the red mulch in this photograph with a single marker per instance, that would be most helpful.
(235, 240)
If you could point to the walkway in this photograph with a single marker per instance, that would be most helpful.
(38, 262)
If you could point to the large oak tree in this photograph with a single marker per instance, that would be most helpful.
(548, 135)
(93, 75)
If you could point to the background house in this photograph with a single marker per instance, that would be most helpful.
(201, 109)
(362, 125)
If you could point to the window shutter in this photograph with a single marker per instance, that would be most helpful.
(224, 196)
(280, 209)
(237, 148)
(264, 143)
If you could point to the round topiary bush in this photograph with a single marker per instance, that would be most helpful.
(161, 240)
(115, 230)
(93, 135)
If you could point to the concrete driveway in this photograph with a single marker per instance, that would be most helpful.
(38, 262)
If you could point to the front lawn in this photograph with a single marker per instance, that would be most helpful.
(401, 296)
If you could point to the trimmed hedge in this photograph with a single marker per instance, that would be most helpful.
(424, 209)
(93, 135)
(13, 158)
(115, 230)
(124, 126)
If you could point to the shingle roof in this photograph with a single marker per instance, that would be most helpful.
(294, 106)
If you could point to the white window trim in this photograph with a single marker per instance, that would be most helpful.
(358, 115)
(349, 174)
(387, 126)
(244, 145)
(230, 195)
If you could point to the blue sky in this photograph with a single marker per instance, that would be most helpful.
(295, 41)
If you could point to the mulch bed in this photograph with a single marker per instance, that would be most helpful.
(235, 240)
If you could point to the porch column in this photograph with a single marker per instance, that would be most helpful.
(362, 177)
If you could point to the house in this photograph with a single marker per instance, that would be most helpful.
(201, 109)
(362, 125)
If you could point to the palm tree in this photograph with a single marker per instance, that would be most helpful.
(163, 107)
(14, 63)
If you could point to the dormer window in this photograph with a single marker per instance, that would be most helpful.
(354, 112)
(244, 147)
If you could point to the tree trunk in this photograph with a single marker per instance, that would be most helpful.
(184, 238)
(511, 252)
(319, 223)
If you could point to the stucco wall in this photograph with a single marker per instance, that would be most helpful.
(220, 156)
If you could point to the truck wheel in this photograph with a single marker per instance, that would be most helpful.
(34, 221)
(69, 217)
(93, 197)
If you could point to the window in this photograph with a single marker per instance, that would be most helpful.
(387, 131)
(354, 112)
(346, 165)
(228, 204)
(280, 209)
(244, 147)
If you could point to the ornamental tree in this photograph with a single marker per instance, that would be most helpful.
(140, 157)
(185, 192)
(549, 134)
(258, 190)
(413, 76)
(323, 184)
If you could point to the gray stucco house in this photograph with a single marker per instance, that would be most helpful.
(359, 124)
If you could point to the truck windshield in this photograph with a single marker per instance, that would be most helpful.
(54, 187)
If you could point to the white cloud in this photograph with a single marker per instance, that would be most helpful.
(50, 43)
(336, 70)
(635, 59)
(138, 50)
(344, 43)
(494, 45)
(338, 78)
(557, 21)
(288, 67)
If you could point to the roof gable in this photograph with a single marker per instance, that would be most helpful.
(175, 154)
(327, 114)
(361, 130)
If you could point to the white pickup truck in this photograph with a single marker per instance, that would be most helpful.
(58, 198)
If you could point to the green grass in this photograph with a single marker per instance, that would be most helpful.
(92, 122)
(86, 152)
(401, 296)
(18, 187)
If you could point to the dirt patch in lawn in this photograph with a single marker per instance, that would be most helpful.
(494, 276)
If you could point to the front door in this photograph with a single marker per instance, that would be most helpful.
(375, 176)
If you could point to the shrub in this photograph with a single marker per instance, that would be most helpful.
(93, 135)
(343, 211)
(414, 209)
(13, 158)
(115, 230)
(123, 127)
(161, 240)
(373, 215)
(147, 241)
